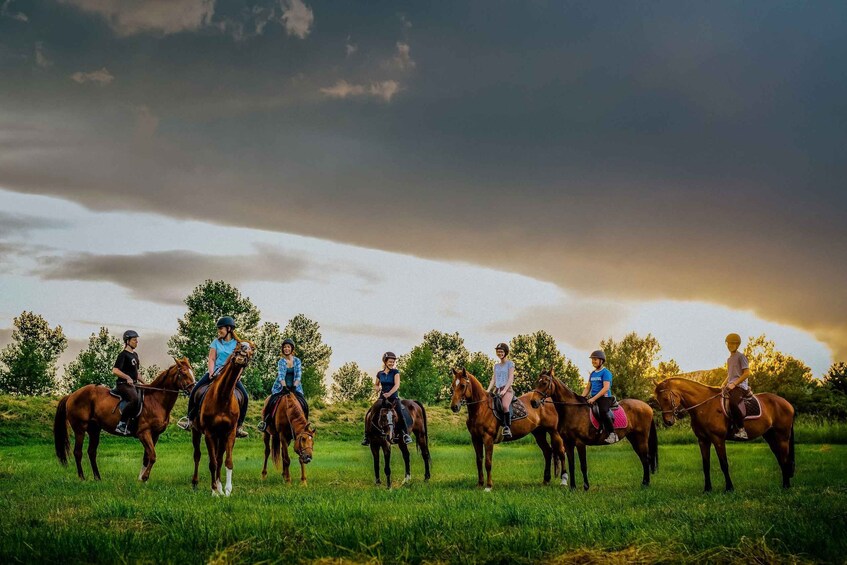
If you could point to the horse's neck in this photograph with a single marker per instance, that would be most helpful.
(224, 385)
(296, 418)
(692, 392)
(479, 398)
(167, 397)
(563, 394)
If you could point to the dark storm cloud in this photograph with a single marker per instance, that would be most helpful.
(168, 276)
(21, 224)
(637, 151)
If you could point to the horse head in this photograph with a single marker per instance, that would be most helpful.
(461, 390)
(385, 421)
(304, 443)
(243, 353)
(670, 402)
(184, 375)
(545, 386)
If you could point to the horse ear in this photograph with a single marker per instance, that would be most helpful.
(176, 361)
(312, 428)
(552, 372)
(464, 372)
(456, 371)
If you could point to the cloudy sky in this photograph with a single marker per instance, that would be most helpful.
(392, 167)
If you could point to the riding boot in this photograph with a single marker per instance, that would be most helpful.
(121, 429)
(507, 424)
(610, 427)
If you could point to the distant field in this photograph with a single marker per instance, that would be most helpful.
(51, 516)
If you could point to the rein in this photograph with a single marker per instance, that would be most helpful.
(677, 409)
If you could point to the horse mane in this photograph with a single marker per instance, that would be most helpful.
(160, 378)
(298, 417)
(475, 385)
(558, 382)
(683, 379)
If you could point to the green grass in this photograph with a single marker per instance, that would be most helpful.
(49, 515)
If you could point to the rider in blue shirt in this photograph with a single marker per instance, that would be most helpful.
(288, 380)
(599, 387)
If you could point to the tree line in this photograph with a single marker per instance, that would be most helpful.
(28, 365)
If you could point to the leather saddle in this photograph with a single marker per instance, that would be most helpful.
(121, 405)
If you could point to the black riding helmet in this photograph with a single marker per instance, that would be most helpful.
(598, 355)
(129, 334)
(388, 355)
(226, 321)
(503, 346)
(288, 341)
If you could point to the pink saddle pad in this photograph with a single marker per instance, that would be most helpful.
(620, 419)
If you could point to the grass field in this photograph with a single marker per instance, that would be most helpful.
(52, 516)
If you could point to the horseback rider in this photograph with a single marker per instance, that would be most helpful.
(599, 386)
(501, 384)
(126, 369)
(387, 382)
(736, 385)
(288, 380)
(219, 351)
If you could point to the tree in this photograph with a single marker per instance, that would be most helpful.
(94, 364)
(312, 351)
(28, 363)
(481, 366)
(260, 374)
(350, 382)
(774, 371)
(836, 378)
(196, 330)
(631, 362)
(150, 372)
(535, 353)
(667, 369)
(448, 352)
(420, 378)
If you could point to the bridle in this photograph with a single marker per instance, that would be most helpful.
(677, 409)
(545, 395)
(465, 402)
(180, 382)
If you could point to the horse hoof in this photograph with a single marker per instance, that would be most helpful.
(487, 489)
(585, 488)
(228, 492)
(215, 493)
(645, 485)
(303, 484)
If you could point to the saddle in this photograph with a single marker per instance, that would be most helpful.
(517, 408)
(122, 403)
(620, 419)
(750, 406)
(274, 405)
(200, 394)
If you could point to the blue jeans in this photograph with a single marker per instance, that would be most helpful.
(206, 379)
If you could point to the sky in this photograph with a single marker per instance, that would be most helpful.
(388, 168)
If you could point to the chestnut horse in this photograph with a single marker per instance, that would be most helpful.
(217, 419)
(483, 425)
(381, 433)
(678, 396)
(577, 431)
(92, 409)
(288, 424)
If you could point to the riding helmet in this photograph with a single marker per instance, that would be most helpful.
(226, 321)
(129, 334)
(388, 355)
(733, 338)
(503, 346)
(598, 355)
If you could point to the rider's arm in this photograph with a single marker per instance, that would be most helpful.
(213, 355)
(587, 388)
(396, 386)
(510, 381)
(280, 377)
(744, 374)
(120, 374)
(491, 384)
(298, 374)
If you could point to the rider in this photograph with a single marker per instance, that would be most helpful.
(126, 369)
(387, 382)
(600, 387)
(737, 372)
(289, 376)
(502, 380)
(219, 351)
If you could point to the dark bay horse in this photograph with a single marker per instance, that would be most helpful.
(576, 429)
(288, 424)
(381, 422)
(483, 425)
(217, 419)
(678, 396)
(92, 409)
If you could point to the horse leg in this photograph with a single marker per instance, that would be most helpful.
(477, 445)
(79, 438)
(559, 457)
(302, 473)
(267, 440)
(706, 455)
(569, 445)
(541, 440)
(220, 455)
(195, 439)
(638, 441)
(149, 453)
(93, 442)
(386, 453)
(423, 443)
(404, 449)
(489, 454)
(211, 449)
(230, 442)
(286, 459)
(583, 464)
(720, 449)
(375, 453)
(779, 447)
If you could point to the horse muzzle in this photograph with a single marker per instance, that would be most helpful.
(455, 408)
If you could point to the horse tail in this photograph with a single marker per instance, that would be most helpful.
(425, 426)
(276, 451)
(791, 446)
(653, 447)
(60, 431)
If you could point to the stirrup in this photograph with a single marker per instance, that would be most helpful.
(121, 429)
(407, 438)
(507, 431)
(612, 438)
(262, 426)
(184, 423)
(366, 441)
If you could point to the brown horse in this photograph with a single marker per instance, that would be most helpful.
(288, 424)
(483, 425)
(678, 396)
(381, 434)
(217, 419)
(92, 409)
(576, 429)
